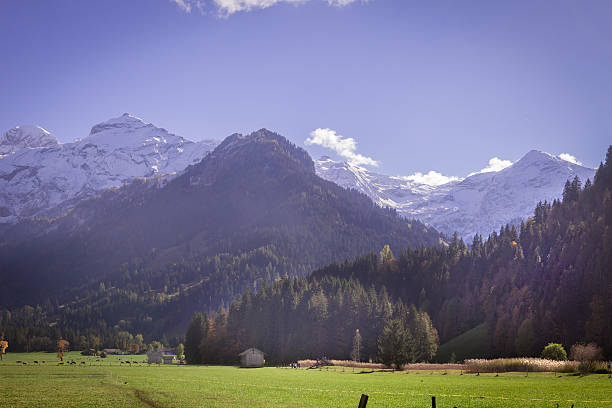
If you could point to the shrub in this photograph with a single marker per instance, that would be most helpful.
(586, 352)
(554, 351)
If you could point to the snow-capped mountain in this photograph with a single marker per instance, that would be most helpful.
(480, 203)
(22, 137)
(40, 176)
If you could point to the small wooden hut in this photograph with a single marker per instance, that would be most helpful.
(155, 357)
(252, 358)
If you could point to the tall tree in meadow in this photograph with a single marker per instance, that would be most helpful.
(393, 344)
(196, 332)
(3, 347)
(356, 352)
(62, 347)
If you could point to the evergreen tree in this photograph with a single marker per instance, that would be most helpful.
(524, 339)
(196, 332)
(393, 344)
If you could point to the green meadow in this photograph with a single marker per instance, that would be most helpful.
(111, 383)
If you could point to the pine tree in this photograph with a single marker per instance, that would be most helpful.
(393, 344)
(196, 332)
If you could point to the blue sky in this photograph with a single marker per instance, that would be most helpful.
(418, 86)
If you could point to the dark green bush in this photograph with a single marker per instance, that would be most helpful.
(554, 351)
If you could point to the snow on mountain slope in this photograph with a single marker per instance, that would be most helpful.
(40, 176)
(27, 136)
(480, 203)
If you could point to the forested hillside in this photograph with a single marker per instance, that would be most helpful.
(549, 281)
(144, 257)
(298, 318)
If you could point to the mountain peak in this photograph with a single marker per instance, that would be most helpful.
(263, 145)
(535, 156)
(27, 136)
(123, 123)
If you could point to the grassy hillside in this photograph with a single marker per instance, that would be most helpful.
(474, 343)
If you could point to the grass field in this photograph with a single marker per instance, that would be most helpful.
(108, 383)
(473, 343)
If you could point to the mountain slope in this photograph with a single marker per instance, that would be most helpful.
(548, 281)
(252, 210)
(40, 176)
(478, 204)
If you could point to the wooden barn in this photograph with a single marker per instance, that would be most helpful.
(252, 358)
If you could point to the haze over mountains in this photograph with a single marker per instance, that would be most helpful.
(41, 177)
(252, 210)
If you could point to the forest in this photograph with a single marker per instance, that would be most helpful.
(550, 280)
(546, 280)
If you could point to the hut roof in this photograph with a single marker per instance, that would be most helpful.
(252, 350)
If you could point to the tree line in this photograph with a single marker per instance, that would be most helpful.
(296, 318)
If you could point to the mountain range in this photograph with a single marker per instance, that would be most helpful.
(41, 177)
(478, 204)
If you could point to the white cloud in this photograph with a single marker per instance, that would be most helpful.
(184, 5)
(229, 7)
(495, 164)
(345, 147)
(568, 157)
(188, 5)
(432, 178)
(342, 3)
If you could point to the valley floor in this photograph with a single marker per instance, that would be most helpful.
(111, 383)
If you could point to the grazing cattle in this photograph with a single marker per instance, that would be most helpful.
(19, 361)
(62, 363)
(82, 362)
(24, 363)
(43, 361)
(35, 362)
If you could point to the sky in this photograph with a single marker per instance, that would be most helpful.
(422, 88)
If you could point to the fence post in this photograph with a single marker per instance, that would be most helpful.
(433, 402)
(363, 401)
